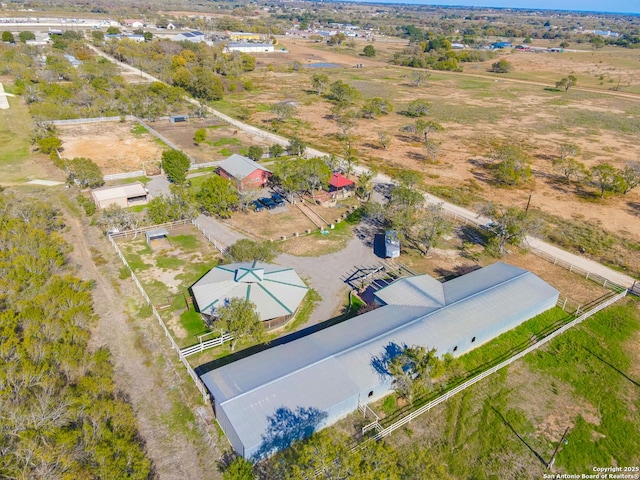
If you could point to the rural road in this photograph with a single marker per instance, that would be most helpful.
(584, 263)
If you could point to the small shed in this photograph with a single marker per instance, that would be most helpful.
(391, 244)
(122, 195)
(178, 118)
(158, 234)
(341, 185)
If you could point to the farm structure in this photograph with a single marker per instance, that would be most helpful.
(123, 195)
(341, 186)
(248, 47)
(275, 290)
(265, 401)
(244, 172)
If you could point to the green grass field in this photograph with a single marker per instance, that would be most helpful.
(15, 133)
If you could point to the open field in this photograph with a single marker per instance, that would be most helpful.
(116, 147)
(17, 162)
(475, 110)
(222, 140)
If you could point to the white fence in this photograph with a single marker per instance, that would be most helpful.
(118, 176)
(202, 346)
(220, 247)
(78, 121)
(425, 408)
(196, 379)
(139, 230)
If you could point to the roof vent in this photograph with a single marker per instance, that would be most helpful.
(249, 275)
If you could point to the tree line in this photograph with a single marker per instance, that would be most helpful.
(62, 415)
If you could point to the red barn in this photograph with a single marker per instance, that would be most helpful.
(244, 172)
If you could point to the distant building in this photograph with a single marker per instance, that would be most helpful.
(498, 45)
(248, 47)
(194, 36)
(270, 399)
(244, 36)
(122, 195)
(134, 23)
(244, 172)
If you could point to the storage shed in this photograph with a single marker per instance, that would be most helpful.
(268, 400)
(122, 195)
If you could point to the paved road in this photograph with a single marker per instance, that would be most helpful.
(583, 263)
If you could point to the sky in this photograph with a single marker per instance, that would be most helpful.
(611, 6)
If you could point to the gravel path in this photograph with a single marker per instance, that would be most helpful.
(325, 274)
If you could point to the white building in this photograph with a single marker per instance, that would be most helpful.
(249, 47)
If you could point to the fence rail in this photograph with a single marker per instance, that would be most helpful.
(118, 176)
(219, 246)
(201, 347)
(594, 277)
(425, 408)
(199, 385)
(139, 230)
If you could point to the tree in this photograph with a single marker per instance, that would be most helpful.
(374, 107)
(567, 82)
(315, 175)
(414, 371)
(113, 31)
(240, 319)
(606, 177)
(319, 81)
(509, 225)
(239, 469)
(8, 37)
(115, 218)
(417, 108)
(175, 164)
(84, 172)
(431, 149)
(343, 93)
(283, 110)
(501, 66)
(218, 196)
(369, 51)
(629, 177)
(401, 212)
(385, 139)
(255, 152)
(276, 150)
(199, 136)
(26, 36)
(49, 144)
(433, 226)
(169, 208)
(296, 146)
(568, 166)
(246, 250)
(425, 128)
(513, 163)
(419, 78)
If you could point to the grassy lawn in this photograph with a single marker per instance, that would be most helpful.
(15, 133)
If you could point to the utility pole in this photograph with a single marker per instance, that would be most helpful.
(526, 210)
(553, 457)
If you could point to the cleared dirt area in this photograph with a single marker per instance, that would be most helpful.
(113, 146)
(221, 141)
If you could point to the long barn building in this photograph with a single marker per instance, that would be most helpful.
(266, 401)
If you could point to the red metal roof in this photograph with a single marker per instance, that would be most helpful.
(339, 181)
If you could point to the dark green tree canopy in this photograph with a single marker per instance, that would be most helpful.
(218, 196)
(175, 164)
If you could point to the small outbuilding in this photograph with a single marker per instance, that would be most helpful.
(276, 291)
(249, 47)
(341, 185)
(121, 195)
(244, 172)
(158, 234)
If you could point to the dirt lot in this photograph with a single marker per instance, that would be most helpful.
(475, 110)
(111, 145)
(222, 140)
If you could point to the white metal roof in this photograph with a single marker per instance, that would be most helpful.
(240, 167)
(326, 367)
(275, 290)
(120, 191)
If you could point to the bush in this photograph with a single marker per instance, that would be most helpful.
(175, 164)
(88, 206)
(49, 144)
(84, 172)
(200, 135)
(502, 66)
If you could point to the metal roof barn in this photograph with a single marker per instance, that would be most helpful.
(275, 290)
(268, 400)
